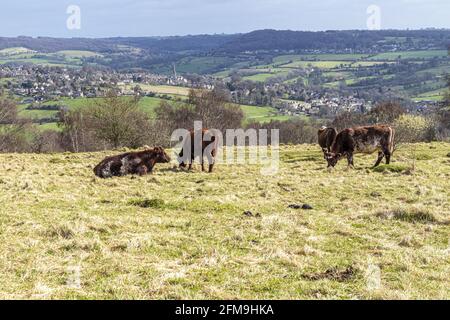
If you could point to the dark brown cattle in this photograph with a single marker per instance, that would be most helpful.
(139, 163)
(362, 140)
(326, 137)
(210, 153)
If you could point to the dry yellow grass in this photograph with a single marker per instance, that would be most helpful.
(67, 234)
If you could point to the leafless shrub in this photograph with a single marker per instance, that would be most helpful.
(14, 130)
(111, 122)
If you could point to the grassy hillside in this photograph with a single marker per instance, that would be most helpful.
(370, 234)
(62, 58)
(355, 70)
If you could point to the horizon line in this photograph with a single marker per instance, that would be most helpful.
(221, 34)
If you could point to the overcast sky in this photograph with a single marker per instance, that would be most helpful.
(106, 18)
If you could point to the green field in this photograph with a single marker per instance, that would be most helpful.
(380, 234)
(147, 104)
(434, 95)
(61, 58)
(262, 114)
(161, 89)
(410, 55)
(40, 61)
(77, 53)
(317, 64)
(322, 57)
(15, 51)
(437, 71)
(260, 77)
(201, 64)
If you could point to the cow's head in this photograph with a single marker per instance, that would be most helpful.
(181, 160)
(332, 158)
(161, 155)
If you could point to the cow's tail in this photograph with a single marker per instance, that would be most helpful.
(391, 140)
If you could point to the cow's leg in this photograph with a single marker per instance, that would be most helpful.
(380, 157)
(202, 160)
(212, 160)
(142, 170)
(387, 154)
(350, 160)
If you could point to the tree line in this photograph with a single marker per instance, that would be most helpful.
(117, 122)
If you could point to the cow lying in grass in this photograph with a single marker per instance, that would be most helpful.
(362, 140)
(139, 163)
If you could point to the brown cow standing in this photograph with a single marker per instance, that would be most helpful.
(210, 140)
(139, 163)
(326, 138)
(362, 140)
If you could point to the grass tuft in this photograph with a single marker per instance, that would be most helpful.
(62, 231)
(408, 215)
(148, 203)
(334, 273)
(398, 168)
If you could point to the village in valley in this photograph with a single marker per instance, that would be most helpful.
(319, 83)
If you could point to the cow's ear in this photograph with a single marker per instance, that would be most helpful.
(158, 150)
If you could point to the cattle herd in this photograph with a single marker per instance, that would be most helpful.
(357, 140)
(334, 145)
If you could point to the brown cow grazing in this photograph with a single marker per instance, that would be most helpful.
(209, 149)
(326, 138)
(139, 163)
(362, 140)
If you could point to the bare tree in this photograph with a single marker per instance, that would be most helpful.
(293, 131)
(13, 129)
(8, 111)
(119, 121)
(111, 122)
(213, 107)
(386, 112)
(349, 119)
(77, 132)
(443, 115)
